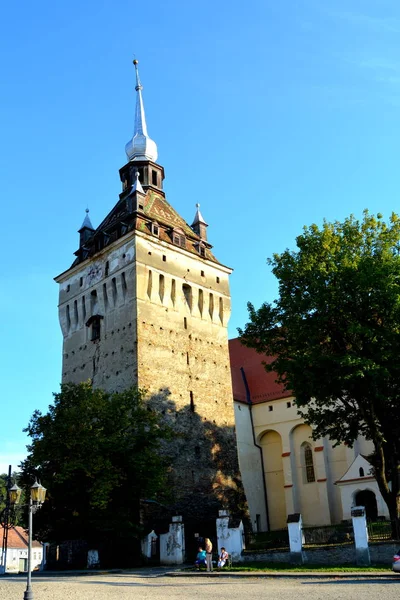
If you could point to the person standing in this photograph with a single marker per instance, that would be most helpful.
(208, 547)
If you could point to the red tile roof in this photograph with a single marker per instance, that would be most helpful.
(18, 538)
(262, 384)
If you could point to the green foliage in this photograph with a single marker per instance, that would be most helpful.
(98, 455)
(334, 333)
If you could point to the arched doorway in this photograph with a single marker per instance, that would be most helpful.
(368, 499)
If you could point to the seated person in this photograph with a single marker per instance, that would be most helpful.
(200, 558)
(223, 557)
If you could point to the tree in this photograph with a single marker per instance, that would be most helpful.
(98, 455)
(334, 333)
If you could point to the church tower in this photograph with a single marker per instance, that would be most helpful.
(146, 303)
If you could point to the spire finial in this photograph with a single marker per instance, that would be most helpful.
(141, 146)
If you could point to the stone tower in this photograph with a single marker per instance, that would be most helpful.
(146, 303)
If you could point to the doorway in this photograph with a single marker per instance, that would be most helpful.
(368, 499)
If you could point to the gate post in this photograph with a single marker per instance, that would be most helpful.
(360, 536)
(295, 530)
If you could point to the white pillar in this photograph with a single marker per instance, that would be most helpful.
(295, 529)
(231, 538)
(172, 544)
(360, 535)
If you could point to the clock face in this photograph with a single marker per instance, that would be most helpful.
(94, 274)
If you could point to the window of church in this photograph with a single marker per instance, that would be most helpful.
(107, 270)
(123, 283)
(155, 229)
(361, 472)
(81, 281)
(154, 177)
(308, 463)
(68, 318)
(217, 279)
(202, 250)
(187, 294)
(221, 310)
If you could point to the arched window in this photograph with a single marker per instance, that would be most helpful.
(308, 463)
(361, 472)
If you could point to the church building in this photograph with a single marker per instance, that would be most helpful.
(146, 303)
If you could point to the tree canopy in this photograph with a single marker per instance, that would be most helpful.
(98, 455)
(334, 333)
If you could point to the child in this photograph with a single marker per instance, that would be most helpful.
(223, 557)
(200, 558)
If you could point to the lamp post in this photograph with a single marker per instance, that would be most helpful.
(36, 499)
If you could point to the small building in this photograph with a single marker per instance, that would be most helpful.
(17, 551)
(284, 470)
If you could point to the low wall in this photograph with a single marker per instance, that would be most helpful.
(380, 552)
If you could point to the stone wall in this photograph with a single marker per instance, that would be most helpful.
(381, 553)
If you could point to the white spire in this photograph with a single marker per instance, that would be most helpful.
(140, 147)
(198, 217)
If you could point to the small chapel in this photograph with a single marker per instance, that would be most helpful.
(146, 303)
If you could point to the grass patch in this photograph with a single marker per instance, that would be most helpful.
(268, 566)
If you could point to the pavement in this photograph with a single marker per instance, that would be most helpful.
(189, 572)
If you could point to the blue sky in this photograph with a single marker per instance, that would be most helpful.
(271, 114)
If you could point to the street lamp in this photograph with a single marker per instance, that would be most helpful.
(36, 499)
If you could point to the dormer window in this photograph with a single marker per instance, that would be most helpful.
(94, 322)
(179, 238)
(155, 230)
(201, 249)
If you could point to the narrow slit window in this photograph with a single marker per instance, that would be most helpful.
(93, 302)
(201, 302)
(123, 282)
(211, 305)
(161, 287)
(83, 308)
(114, 290)
(221, 310)
(149, 283)
(173, 291)
(105, 296)
(68, 318)
(185, 322)
(107, 270)
(76, 316)
(192, 406)
(187, 294)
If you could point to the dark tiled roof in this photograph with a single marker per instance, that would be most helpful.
(156, 209)
(18, 538)
(262, 384)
